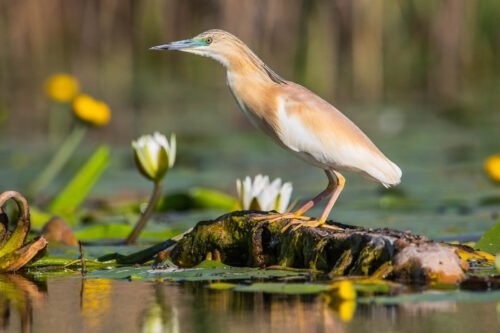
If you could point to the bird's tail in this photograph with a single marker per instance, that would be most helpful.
(391, 174)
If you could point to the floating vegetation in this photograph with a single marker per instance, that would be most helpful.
(14, 252)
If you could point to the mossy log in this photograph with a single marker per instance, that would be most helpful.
(242, 239)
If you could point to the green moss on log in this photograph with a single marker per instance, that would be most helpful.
(245, 238)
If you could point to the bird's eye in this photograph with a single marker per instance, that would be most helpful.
(208, 40)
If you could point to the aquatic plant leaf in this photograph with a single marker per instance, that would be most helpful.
(139, 257)
(14, 260)
(469, 254)
(39, 217)
(103, 231)
(490, 241)
(43, 274)
(358, 285)
(15, 240)
(434, 296)
(373, 286)
(197, 198)
(91, 251)
(211, 264)
(211, 199)
(72, 196)
(58, 161)
(194, 274)
(120, 231)
(17, 237)
(221, 285)
(48, 261)
(51, 261)
(13, 254)
(284, 288)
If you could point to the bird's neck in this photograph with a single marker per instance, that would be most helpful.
(245, 64)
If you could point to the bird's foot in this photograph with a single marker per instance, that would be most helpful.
(275, 217)
(312, 224)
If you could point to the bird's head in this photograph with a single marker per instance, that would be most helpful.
(216, 44)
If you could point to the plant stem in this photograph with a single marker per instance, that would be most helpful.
(82, 259)
(59, 117)
(155, 195)
(61, 157)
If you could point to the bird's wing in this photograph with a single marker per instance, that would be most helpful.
(310, 125)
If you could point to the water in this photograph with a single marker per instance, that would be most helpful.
(73, 304)
(443, 182)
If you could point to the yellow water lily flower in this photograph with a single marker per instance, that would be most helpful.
(154, 155)
(91, 111)
(344, 290)
(62, 87)
(492, 167)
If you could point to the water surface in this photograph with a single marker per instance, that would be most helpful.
(73, 304)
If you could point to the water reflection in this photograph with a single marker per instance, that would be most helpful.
(160, 316)
(73, 304)
(95, 301)
(244, 312)
(20, 295)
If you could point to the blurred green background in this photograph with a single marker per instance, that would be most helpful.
(421, 77)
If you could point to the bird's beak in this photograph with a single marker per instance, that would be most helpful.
(180, 45)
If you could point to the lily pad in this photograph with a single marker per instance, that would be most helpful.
(222, 286)
(195, 274)
(490, 242)
(433, 296)
(211, 264)
(120, 231)
(284, 288)
(363, 285)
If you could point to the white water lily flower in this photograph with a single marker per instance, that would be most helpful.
(154, 155)
(261, 194)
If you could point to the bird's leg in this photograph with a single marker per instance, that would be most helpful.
(329, 206)
(298, 214)
(331, 188)
(326, 192)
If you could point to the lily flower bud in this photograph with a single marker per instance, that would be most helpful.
(154, 155)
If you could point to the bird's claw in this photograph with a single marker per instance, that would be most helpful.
(310, 224)
(274, 217)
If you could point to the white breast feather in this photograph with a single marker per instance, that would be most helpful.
(329, 151)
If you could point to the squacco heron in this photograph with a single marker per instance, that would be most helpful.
(296, 118)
